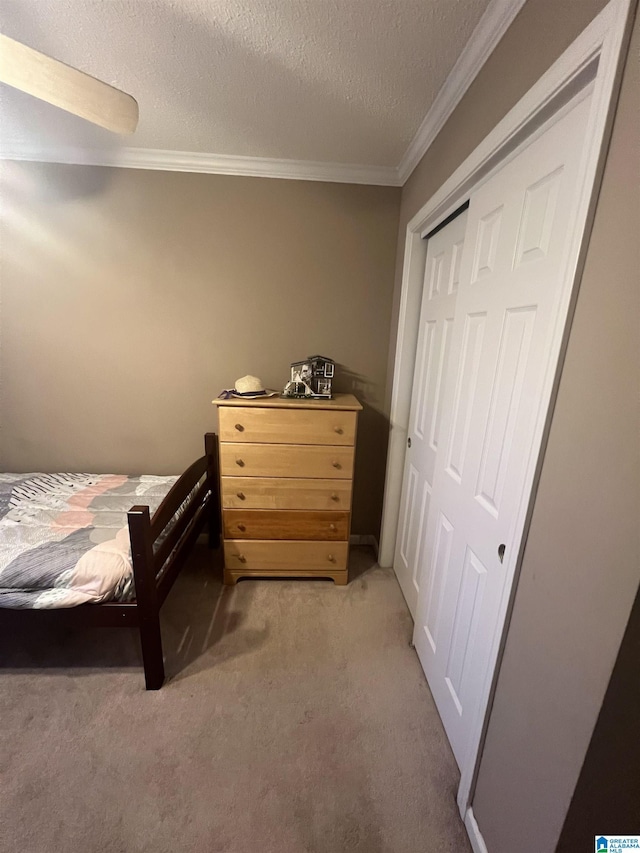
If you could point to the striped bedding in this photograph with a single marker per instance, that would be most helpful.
(64, 538)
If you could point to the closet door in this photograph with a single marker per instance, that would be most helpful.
(440, 289)
(509, 303)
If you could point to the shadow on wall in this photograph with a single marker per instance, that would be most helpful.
(57, 183)
(607, 791)
(371, 452)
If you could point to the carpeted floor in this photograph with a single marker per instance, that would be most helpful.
(296, 719)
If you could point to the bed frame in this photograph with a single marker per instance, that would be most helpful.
(154, 573)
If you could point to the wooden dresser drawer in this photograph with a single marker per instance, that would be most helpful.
(285, 524)
(284, 493)
(272, 557)
(286, 460)
(283, 426)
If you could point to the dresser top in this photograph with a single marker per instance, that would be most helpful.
(339, 402)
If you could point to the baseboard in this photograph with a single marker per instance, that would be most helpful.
(473, 831)
(364, 539)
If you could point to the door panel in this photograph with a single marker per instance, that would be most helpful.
(508, 299)
(488, 234)
(465, 393)
(513, 358)
(438, 577)
(465, 624)
(441, 282)
(426, 380)
(443, 361)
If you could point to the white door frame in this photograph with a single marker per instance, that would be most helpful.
(595, 58)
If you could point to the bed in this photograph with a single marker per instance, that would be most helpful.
(71, 551)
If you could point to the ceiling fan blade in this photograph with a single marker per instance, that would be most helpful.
(63, 86)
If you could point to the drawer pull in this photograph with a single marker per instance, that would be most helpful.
(241, 496)
(242, 558)
(336, 464)
(335, 497)
(332, 527)
(240, 462)
(242, 527)
(338, 429)
(331, 558)
(239, 427)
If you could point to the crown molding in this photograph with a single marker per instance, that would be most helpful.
(214, 164)
(492, 26)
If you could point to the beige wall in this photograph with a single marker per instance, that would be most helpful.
(582, 563)
(131, 298)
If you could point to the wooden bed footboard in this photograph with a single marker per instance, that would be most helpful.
(160, 544)
(159, 547)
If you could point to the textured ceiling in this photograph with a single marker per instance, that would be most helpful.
(337, 81)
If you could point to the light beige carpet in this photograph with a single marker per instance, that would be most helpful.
(296, 719)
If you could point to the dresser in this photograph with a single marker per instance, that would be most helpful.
(286, 476)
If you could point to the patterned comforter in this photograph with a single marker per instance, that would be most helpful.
(64, 538)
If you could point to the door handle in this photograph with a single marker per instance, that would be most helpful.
(501, 549)
(409, 442)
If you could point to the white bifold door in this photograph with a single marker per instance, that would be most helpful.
(492, 300)
(439, 293)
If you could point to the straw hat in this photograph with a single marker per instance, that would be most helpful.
(251, 387)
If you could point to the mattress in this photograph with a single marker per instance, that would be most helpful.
(64, 539)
